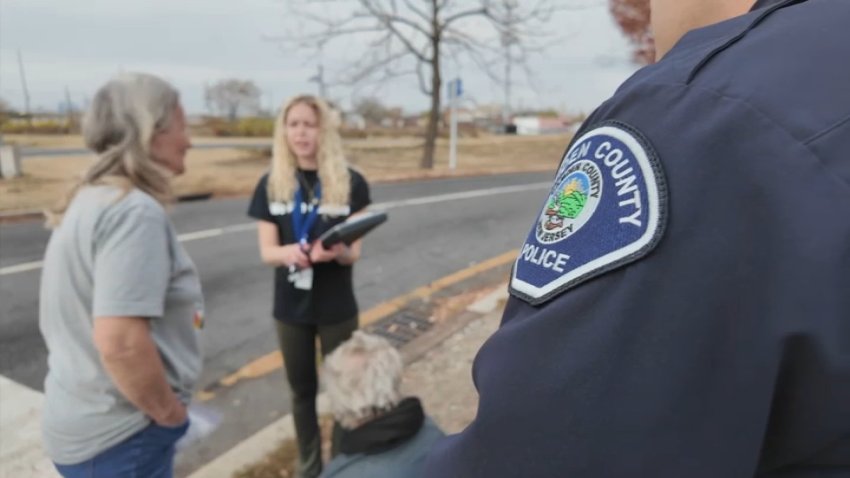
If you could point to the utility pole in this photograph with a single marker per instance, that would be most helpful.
(509, 38)
(319, 78)
(69, 111)
(68, 106)
(321, 81)
(26, 91)
(10, 158)
(455, 91)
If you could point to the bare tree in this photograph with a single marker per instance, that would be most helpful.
(415, 37)
(231, 96)
(371, 109)
(633, 17)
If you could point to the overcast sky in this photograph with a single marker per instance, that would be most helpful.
(79, 44)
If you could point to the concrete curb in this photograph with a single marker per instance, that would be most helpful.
(26, 215)
(417, 348)
(29, 214)
(443, 174)
(256, 447)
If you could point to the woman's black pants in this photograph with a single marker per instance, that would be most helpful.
(298, 345)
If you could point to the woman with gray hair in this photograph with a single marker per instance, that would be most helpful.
(383, 435)
(120, 298)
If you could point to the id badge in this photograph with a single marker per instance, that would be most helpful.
(302, 279)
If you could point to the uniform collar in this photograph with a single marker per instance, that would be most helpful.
(761, 10)
(767, 3)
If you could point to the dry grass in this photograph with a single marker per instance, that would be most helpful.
(487, 154)
(227, 172)
(76, 141)
(45, 179)
(44, 140)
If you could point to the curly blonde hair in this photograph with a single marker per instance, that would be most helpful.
(333, 167)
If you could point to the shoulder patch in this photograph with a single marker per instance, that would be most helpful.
(607, 208)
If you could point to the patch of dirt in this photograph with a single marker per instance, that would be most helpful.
(282, 462)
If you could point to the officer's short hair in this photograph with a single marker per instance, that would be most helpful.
(362, 378)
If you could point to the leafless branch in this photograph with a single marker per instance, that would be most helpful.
(457, 16)
(417, 11)
(388, 21)
(414, 37)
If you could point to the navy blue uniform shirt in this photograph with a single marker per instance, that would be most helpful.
(681, 306)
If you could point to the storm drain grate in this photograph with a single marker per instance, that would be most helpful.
(403, 326)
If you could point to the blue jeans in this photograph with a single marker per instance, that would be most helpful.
(147, 454)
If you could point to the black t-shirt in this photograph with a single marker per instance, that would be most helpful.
(331, 299)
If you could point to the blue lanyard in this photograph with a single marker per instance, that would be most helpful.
(301, 222)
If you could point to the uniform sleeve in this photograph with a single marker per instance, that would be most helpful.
(360, 196)
(132, 264)
(721, 353)
(259, 206)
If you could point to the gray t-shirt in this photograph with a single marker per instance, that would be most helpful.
(112, 256)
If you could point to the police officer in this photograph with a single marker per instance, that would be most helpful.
(681, 307)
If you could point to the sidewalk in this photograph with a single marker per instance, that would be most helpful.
(442, 378)
(21, 454)
(438, 372)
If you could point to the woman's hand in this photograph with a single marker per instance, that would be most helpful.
(318, 253)
(276, 255)
(294, 255)
(176, 417)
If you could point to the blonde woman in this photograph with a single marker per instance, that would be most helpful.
(309, 189)
(120, 299)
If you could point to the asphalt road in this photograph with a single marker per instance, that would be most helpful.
(435, 228)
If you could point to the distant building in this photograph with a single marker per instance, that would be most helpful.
(482, 117)
(537, 125)
(415, 121)
(354, 121)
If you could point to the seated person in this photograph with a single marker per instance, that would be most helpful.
(383, 435)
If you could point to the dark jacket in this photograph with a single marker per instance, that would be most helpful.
(402, 461)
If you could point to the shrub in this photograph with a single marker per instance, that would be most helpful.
(39, 126)
(254, 127)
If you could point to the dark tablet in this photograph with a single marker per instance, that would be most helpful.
(352, 229)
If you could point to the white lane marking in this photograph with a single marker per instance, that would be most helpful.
(194, 236)
(459, 196)
(220, 231)
(26, 266)
(248, 226)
